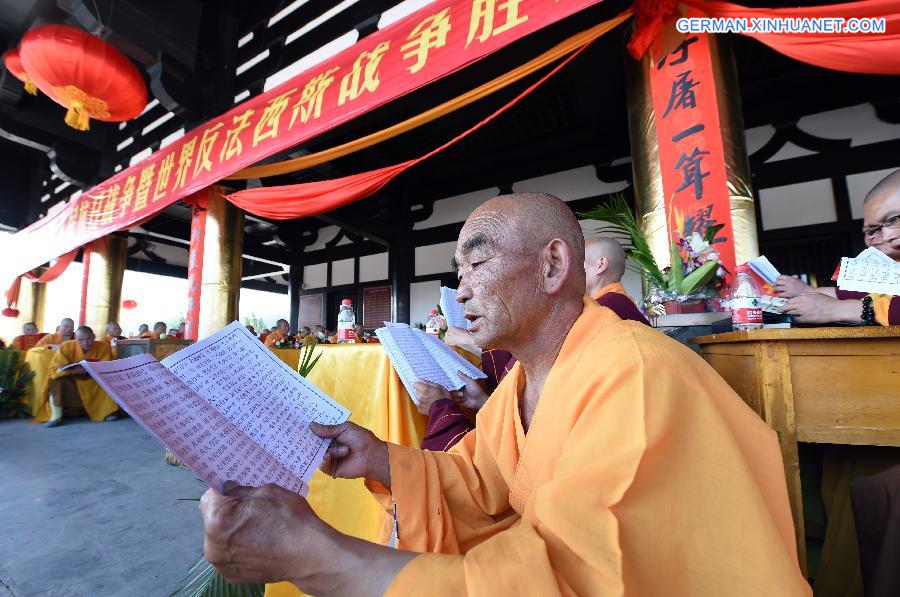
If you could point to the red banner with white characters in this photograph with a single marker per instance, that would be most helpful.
(440, 38)
(691, 156)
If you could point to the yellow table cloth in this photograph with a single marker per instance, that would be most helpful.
(290, 356)
(360, 377)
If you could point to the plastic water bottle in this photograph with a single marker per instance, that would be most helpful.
(746, 312)
(346, 321)
(433, 324)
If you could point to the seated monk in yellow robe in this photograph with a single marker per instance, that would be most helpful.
(97, 403)
(159, 328)
(113, 332)
(29, 338)
(611, 460)
(281, 332)
(65, 331)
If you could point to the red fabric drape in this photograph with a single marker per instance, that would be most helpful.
(50, 274)
(311, 198)
(872, 53)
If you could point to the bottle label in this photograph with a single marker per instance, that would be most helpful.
(345, 330)
(746, 310)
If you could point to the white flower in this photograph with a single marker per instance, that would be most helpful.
(698, 245)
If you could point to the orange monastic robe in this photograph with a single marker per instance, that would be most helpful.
(50, 339)
(642, 473)
(274, 337)
(96, 402)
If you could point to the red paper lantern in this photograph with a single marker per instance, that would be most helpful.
(13, 64)
(83, 73)
(129, 304)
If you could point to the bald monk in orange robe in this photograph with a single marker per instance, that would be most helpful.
(27, 339)
(610, 461)
(282, 331)
(65, 331)
(97, 403)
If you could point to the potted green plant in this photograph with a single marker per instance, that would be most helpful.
(14, 378)
(693, 281)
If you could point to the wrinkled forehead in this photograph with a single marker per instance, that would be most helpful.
(487, 229)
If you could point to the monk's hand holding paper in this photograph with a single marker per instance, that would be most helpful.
(354, 452)
(429, 393)
(260, 534)
(461, 338)
(814, 307)
(472, 396)
(789, 286)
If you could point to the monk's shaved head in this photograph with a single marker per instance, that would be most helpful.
(889, 185)
(66, 328)
(604, 263)
(880, 211)
(519, 263)
(30, 328)
(85, 337)
(529, 219)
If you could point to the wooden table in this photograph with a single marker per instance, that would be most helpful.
(820, 385)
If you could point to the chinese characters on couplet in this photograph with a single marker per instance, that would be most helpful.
(692, 160)
(226, 139)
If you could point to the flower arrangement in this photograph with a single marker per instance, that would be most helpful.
(696, 272)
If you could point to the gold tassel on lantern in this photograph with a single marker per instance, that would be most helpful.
(77, 117)
(30, 88)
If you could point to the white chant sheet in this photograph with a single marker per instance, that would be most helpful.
(871, 272)
(417, 356)
(228, 408)
(453, 310)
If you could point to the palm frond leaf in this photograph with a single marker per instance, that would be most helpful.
(618, 217)
(202, 580)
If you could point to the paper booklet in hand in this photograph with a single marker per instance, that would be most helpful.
(228, 408)
(766, 274)
(871, 272)
(417, 356)
(453, 311)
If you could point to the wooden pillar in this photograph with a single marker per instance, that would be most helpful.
(103, 296)
(295, 283)
(223, 242)
(401, 263)
(32, 300)
(724, 144)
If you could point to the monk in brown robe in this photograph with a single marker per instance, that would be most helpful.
(97, 403)
(65, 331)
(604, 266)
(881, 229)
(612, 460)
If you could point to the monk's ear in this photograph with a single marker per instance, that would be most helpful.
(602, 264)
(557, 265)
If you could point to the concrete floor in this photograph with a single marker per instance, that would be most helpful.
(91, 509)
